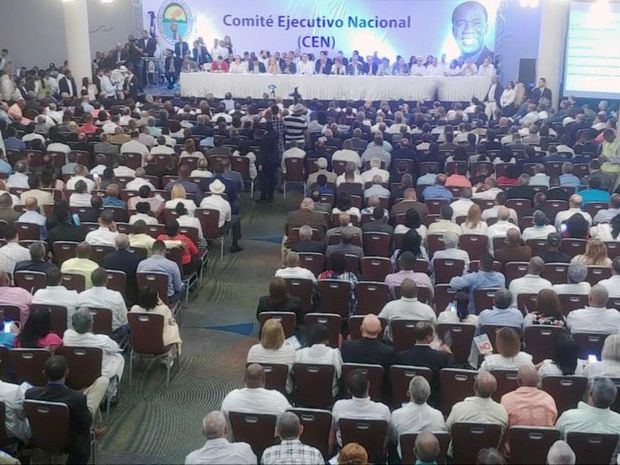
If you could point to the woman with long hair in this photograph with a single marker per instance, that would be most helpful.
(412, 221)
(548, 311)
(474, 224)
(412, 242)
(564, 360)
(37, 332)
(595, 254)
(457, 311)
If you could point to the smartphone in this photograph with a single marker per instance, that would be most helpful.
(453, 307)
(592, 359)
(7, 326)
(95, 176)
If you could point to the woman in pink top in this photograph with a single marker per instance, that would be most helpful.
(37, 332)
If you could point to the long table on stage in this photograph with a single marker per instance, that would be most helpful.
(451, 89)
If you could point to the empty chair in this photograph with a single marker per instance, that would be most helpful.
(540, 341)
(530, 445)
(29, 365)
(302, 288)
(469, 438)
(32, 281)
(597, 273)
(377, 244)
(371, 297)
(370, 434)
(314, 262)
(335, 296)
(446, 269)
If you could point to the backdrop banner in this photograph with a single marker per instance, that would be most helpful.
(387, 27)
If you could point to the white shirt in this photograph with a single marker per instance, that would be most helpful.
(57, 295)
(306, 68)
(507, 98)
(594, 320)
(187, 221)
(136, 184)
(582, 288)
(612, 284)
(499, 362)
(602, 232)
(406, 308)
(109, 127)
(285, 355)
(347, 155)
(221, 452)
(112, 363)
(499, 229)
(486, 70)
(372, 172)
(58, 147)
(162, 150)
(460, 207)
(15, 417)
(358, 409)
(101, 236)
(217, 202)
(607, 368)
(255, 400)
(133, 146)
(102, 297)
(413, 418)
(489, 194)
(295, 272)
(563, 216)
(124, 172)
(320, 354)
(201, 174)
(293, 152)
(80, 200)
(148, 219)
(537, 232)
(237, 68)
(90, 184)
(18, 180)
(492, 212)
(528, 284)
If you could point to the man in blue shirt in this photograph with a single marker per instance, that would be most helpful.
(485, 278)
(4, 166)
(502, 313)
(595, 193)
(567, 178)
(438, 191)
(12, 142)
(158, 263)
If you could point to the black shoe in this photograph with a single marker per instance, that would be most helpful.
(236, 248)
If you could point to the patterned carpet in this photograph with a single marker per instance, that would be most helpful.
(156, 424)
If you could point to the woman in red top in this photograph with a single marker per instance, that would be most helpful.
(37, 332)
(219, 65)
(189, 260)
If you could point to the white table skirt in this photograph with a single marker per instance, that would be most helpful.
(459, 88)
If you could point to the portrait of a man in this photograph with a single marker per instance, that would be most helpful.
(470, 24)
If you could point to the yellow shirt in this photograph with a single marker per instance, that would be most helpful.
(82, 266)
(141, 240)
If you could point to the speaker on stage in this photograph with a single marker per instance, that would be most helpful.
(527, 70)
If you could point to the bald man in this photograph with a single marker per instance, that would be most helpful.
(532, 282)
(254, 398)
(369, 349)
(528, 405)
(480, 408)
(574, 204)
(501, 227)
(217, 450)
(122, 259)
(426, 447)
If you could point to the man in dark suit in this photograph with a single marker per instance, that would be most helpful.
(306, 216)
(541, 92)
(322, 65)
(131, 85)
(369, 349)
(422, 355)
(80, 419)
(514, 251)
(123, 260)
(181, 48)
(172, 68)
(256, 67)
(378, 223)
(410, 202)
(66, 85)
(523, 190)
(495, 91)
(147, 44)
(306, 244)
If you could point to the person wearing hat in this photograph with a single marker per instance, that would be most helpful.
(227, 220)
(296, 125)
(321, 164)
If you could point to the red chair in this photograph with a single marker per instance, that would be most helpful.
(484, 299)
(275, 376)
(521, 206)
(374, 374)
(456, 385)
(209, 221)
(530, 445)
(435, 243)
(400, 377)
(474, 244)
(444, 294)
(613, 249)
(335, 296)
(28, 231)
(407, 443)
(102, 320)
(567, 391)
(557, 273)
(469, 438)
(403, 333)
(29, 365)
(540, 341)
(370, 434)
(371, 297)
(573, 247)
(331, 320)
(597, 273)
(461, 337)
(32, 281)
(58, 317)
(117, 281)
(157, 280)
(375, 268)
(302, 288)
(314, 262)
(63, 250)
(99, 252)
(377, 244)
(255, 429)
(446, 269)
(317, 427)
(592, 448)
(84, 365)
(287, 319)
(527, 303)
(313, 385)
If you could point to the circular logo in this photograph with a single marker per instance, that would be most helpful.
(175, 21)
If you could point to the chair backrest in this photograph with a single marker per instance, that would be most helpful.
(4, 437)
(294, 169)
(49, 423)
(209, 221)
(446, 269)
(570, 302)
(540, 341)
(527, 303)
(506, 382)
(29, 364)
(314, 262)
(403, 333)
(375, 268)
(9, 313)
(469, 438)
(374, 374)
(514, 270)
(530, 445)
(377, 244)
(117, 281)
(573, 247)
(74, 281)
(456, 385)
(371, 297)
(302, 288)
(592, 448)
(313, 385)
(317, 426)
(4, 363)
(276, 375)
(557, 273)
(334, 296)
(435, 243)
(538, 246)
(400, 377)
(255, 429)
(288, 320)
(331, 320)
(146, 331)
(407, 443)
(483, 299)
(28, 231)
(598, 273)
(157, 280)
(32, 281)
(370, 434)
(566, 390)
(102, 320)
(590, 344)
(461, 336)
(58, 317)
(84, 365)
(63, 250)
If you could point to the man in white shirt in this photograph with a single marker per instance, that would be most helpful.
(500, 229)
(577, 284)
(350, 175)
(596, 318)
(305, 66)
(416, 415)
(106, 233)
(139, 181)
(293, 152)
(55, 294)
(612, 284)
(12, 253)
(359, 407)
(500, 201)
(80, 173)
(348, 155)
(375, 170)
(491, 192)
(99, 296)
(112, 363)
(408, 307)
(532, 282)
(254, 398)
(226, 220)
(486, 69)
(16, 423)
(451, 251)
(293, 270)
(540, 178)
(574, 204)
(135, 146)
(460, 207)
(541, 228)
(161, 148)
(217, 450)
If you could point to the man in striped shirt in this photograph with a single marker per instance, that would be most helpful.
(295, 125)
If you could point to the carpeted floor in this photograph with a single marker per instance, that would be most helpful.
(156, 424)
